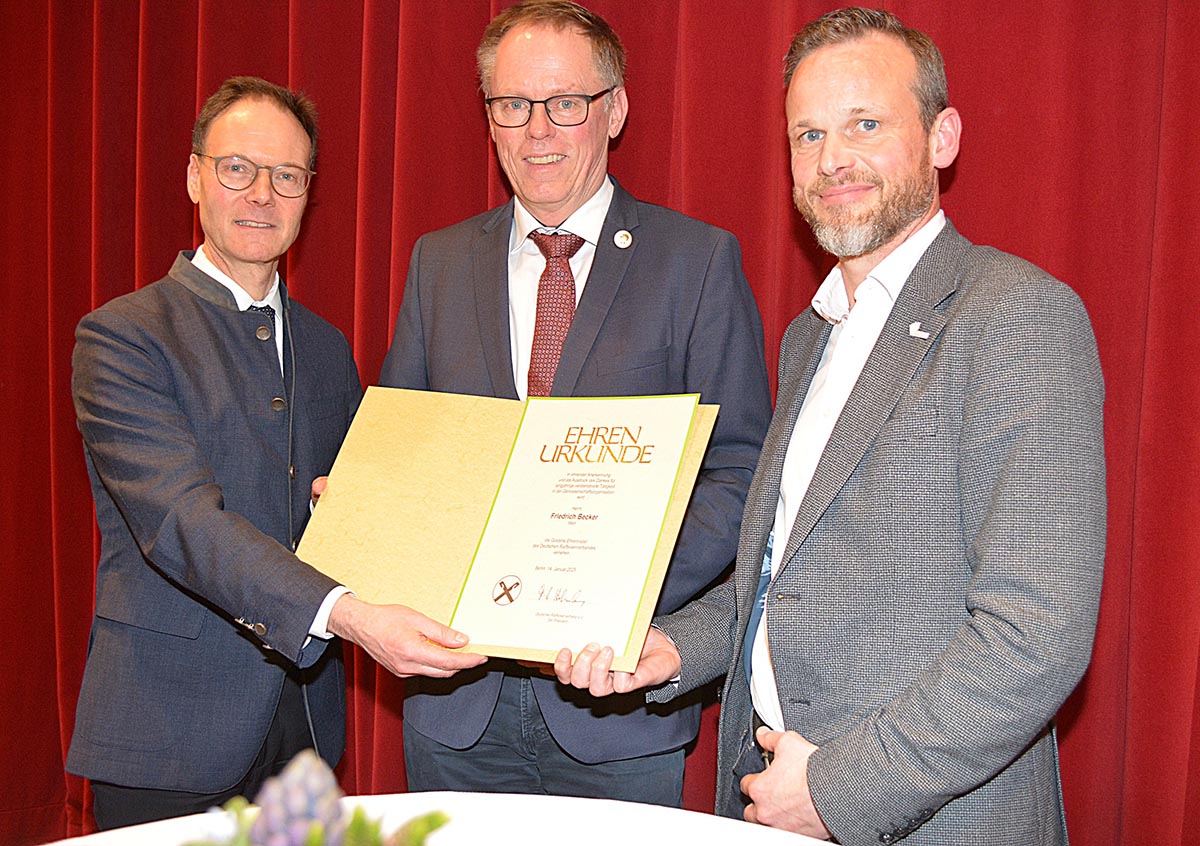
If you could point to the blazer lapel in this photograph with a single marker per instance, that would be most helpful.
(490, 269)
(796, 374)
(604, 279)
(887, 373)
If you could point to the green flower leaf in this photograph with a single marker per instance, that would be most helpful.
(363, 831)
(414, 832)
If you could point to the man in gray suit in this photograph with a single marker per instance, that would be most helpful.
(920, 560)
(644, 301)
(205, 401)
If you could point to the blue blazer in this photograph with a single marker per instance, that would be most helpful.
(671, 313)
(201, 456)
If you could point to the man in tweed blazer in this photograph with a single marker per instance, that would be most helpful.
(926, 523)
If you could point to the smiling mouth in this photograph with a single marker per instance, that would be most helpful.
(549, 158)
(842, 196)
(846, 189)
(253, 224)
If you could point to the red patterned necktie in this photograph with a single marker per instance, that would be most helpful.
(555, 308)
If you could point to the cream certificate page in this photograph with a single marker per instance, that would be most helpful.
(567, 549)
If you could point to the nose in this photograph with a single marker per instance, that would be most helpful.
(539, 125)
(835, 155)
(260, 191)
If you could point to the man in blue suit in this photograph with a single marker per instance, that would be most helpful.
(575, 288)
(207, 402)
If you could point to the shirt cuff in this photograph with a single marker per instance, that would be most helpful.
(678, 676)
(319, 623)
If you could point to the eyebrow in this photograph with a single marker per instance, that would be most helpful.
(584, 90)
(852, 112)
(257, 162)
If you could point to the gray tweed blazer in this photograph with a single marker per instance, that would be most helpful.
(937, 598)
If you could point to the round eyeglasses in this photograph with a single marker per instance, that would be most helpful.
(238, 173)
(563, 110)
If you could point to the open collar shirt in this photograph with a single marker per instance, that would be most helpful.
(855, 330)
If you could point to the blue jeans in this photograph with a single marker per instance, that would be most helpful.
(749, 760)
(517, 755)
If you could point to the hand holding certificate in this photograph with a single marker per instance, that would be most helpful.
(590, 669)
(525, 525)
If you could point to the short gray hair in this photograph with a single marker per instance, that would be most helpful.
(607, 51)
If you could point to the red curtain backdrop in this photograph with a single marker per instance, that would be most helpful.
(1079, 154)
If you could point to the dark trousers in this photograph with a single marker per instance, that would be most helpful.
(118, 805)
(751, 759)
(518, 755)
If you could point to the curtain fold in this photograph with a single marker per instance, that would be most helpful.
(1162, 725)
(1079, 154)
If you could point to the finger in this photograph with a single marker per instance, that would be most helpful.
(747, 787)
(601, 681)
(454, 661)
(653, 668)
(408, 669)
(562, 665)
(642, 676)
(747, 782)
(422, 646)
(750, 814)
(443, 635)
(439, 670)
(625, 682)
(581, 671)
(767, 738)
(318, 487)
(435, 661)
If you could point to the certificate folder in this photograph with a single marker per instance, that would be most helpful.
(528, 525)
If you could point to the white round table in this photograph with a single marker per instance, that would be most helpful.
(496, 819)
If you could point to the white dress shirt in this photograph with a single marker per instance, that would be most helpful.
(273, 299)
(526, 263)
(855, 331)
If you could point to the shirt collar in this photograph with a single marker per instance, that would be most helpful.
(243, 299)
(586, 222)
(831, 302)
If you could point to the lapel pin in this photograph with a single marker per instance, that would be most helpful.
(914, 329)
(622, 239)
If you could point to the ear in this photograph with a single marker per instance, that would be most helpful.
(487, 113)
(193, 178)
(618, 109)
(944, 137)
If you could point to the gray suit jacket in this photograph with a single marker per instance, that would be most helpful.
(938, 595)
(201, 456)
(672, 313)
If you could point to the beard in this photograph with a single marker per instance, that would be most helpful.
(848, 233)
